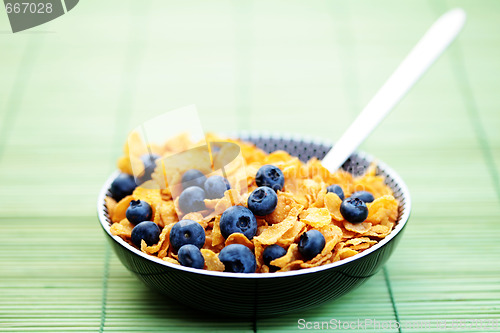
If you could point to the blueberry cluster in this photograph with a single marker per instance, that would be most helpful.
(187, 237)
(138, 213)
(238, 219)
(353, 209)
(197, 188)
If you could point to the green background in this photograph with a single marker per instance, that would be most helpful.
(70, 91)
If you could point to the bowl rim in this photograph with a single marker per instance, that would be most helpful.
(247, 135)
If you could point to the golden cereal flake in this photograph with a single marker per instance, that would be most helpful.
(316, 217)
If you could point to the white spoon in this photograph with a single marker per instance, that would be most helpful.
(416, 63)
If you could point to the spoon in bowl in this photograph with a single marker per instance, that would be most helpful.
(421, 57)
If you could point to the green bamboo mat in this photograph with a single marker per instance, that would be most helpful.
(71, 90)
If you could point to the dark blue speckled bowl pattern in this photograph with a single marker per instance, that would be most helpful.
(262, 295)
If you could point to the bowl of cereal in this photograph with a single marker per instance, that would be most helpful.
(300, 236)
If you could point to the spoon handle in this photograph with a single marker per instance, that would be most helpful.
(416, 63)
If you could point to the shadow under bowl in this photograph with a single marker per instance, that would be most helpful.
(259, 295)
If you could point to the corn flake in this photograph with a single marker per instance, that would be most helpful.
(121, 209)
(360, 243)
(347, 252)
(212, 261)
(217, 237)
(316, 217)
(150, 195)
(293, 234)
(271, 234)
(383, 209)
(156, 247)
(278, 157)
(259, 249)
(378, 230)
(110, 205)
(291, 266)
(264, 269)
(285, 204)
(167, 212)
(122, 229)
(171, 260)
(321, 259)
(359, 228)
(239, 238)
(197, 217)
(165, 246)
(332, 203)
(330, 232)
(291, 255)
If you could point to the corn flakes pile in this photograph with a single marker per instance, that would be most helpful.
(303, 204)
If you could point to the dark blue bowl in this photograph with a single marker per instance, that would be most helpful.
(266, 294)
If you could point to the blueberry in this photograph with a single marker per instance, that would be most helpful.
(311, 243)
(146, 230)
(193, 177)
(337, 190)
(354, 210)
(122, 186)
(271, 176)
(363, 195)
(190, 256)
(138, 211)
(272, 252)
(262, 201)
(149, 161)
(215, 187)
(191, 200)
(238, 219)
(238, 258)
(187, 232)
